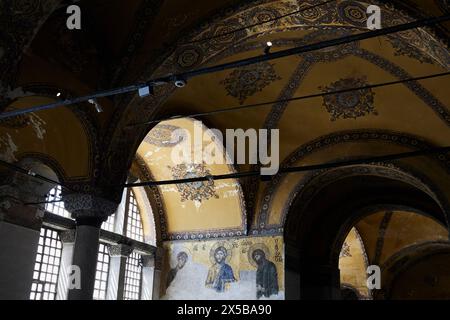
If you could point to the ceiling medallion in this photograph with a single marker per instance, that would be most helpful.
(352, 104)
(163, 135)
(246, 81)
(194, 191)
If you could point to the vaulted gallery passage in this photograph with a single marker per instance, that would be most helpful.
(224, 150)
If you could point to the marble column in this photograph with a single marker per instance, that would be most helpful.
(68, 244)
(89, 212)
(148, 276)
(19, 238)
(116, 276)
(19, 233)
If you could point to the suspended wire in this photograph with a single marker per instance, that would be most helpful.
(311, 96)
(44, 202)
(234, 64)
(385, 158)
(257, 23)
(282, 170)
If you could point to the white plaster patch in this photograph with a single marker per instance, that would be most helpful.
(197, 204)
(38, 125)
(7, 148)
(148, 154)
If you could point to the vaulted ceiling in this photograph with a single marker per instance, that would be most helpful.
(120, 44)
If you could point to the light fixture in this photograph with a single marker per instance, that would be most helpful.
(98, 107)
(269, 45)
(180, 83)
(145, 91)
(58, 94)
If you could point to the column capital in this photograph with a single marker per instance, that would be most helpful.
(120, 250)
(67, 236)
(88, 208)
(148, 260)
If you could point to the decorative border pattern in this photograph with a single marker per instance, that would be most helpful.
(155, 194)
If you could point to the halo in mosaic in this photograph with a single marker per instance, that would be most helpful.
(194, 191)
(165, 135)
(246, 81)
(352, 104)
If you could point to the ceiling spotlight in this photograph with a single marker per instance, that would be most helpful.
(180, 83)
(98, 107)
(58, 94)
(269, 45)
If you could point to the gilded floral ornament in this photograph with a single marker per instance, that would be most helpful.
(194, 191)
(163, 136)
(245, 82)
(407, 43)
(352, 104)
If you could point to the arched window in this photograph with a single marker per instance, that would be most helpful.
(133, 276)
(48, 258)
(46, 267)
(133, 219)
(101, 276)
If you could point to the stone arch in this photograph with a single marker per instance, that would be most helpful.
(425, 264)
(315, 226)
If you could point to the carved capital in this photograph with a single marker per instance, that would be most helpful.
(67, 236)
(148, 260)
(86, 206)
(120, 250)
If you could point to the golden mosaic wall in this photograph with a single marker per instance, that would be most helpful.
(240, 268)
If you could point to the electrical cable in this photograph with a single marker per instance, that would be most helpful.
(258, 23)
(385, 158)
(30, 173)
(234, 64)
(284, 170)
(316, 95)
